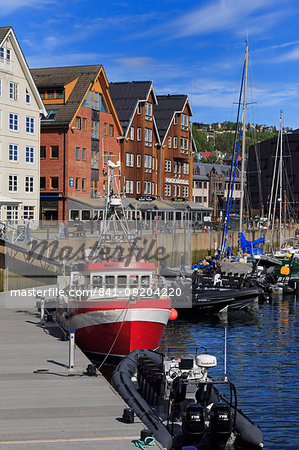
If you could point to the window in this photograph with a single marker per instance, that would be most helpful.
(184, 122)
(148, 111)
(153, 163)
(167, 190)
(13, 183)
(138, 160)
(174, 190)
(167, 165)
(50, 95)
(132, 133)
(28, 184)
(147, 163)
(27, 96)
(175, 119)
(94, 159)
(13, 122)
(12, 212)
(59, 94)
(179, 191)
(83, 154)
(185, 191)
(30, 125)
(175, 142)
(51, 113)
(84, 124)
(54, 152)
(138, 134)
(111, 130)
(13, 152)
(138, 185)
(28, 212)
(148, 137)
(8, 54)
(42, 183)
(130, 159)
(43, 152)
(129, 186)
(83, 184)
(29, 154)
(78, 123)
(105, 129)
(94, 129)
(77, 153)
(13, 90)
(145, 187)
(94, 188)
(54, 183)
(153, 188)
(139, 108)
(169, 141)
(77, 184)
(2, 52)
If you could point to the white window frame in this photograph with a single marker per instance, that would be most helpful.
(169, 141)
(14, 148)
(138, 160)
(138, 134)
(13, 91)
(139, 109)
(175, 142)
(13, 183)
(27, 97)
(132, 133)
(148, 136)
(30, 152)
(167, 190)
(167, 165)
(15, 122)
(174, 190)
(129, 187)
(29, 184)
(28, 211)
(30, 125)
(138, 186)
(175, 119)
(148, 111)
(129, 159)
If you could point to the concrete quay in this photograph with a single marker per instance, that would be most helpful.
(44, 404)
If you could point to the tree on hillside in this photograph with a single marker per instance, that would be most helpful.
(201, 141)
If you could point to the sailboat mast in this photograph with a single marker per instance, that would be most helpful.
(243, 140)
(280, 179)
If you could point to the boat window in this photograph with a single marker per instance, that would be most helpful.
(145, 280)
(97, 281)
(110, 282)
(121, 281)
(133, 281)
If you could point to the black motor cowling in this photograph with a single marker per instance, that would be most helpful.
(221, 422)
(193, 422)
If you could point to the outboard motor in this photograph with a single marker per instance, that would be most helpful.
(193, 423)
(221, 422)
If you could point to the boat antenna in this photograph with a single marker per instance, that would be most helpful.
(225, 352)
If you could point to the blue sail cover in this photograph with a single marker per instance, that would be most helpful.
(248, 246)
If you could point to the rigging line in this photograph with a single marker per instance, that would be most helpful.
(226, 220)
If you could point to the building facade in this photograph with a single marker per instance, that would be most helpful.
(79, 134)
(20, 110)
(210, 187)
(172, 114)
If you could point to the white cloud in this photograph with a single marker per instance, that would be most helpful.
(240, 16)
(8, 7)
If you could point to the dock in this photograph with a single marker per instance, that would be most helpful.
(43, 403)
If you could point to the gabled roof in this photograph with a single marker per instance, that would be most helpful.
(7, 32)
(52, 77)
(126, 96)
(167, 107)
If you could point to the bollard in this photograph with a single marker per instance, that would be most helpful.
(72, 349)
(42, 310)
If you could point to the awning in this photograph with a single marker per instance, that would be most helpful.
(8, 201)
(95, 203)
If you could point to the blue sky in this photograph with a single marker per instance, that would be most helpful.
(188, 47)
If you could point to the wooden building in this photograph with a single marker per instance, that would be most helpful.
(78, 135)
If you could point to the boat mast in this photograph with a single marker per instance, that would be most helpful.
(280, 180)
(243, 140)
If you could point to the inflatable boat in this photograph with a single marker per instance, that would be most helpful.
(181, 405)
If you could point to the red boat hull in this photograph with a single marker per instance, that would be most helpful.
(115, 328)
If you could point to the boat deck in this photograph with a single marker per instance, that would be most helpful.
(45, 405)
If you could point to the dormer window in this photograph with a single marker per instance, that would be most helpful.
(148, 111)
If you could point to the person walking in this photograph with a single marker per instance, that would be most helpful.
(30, 225)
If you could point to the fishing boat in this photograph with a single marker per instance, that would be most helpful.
(181, 404)
(115, 305)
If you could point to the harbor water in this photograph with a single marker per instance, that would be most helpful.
(262, 362)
